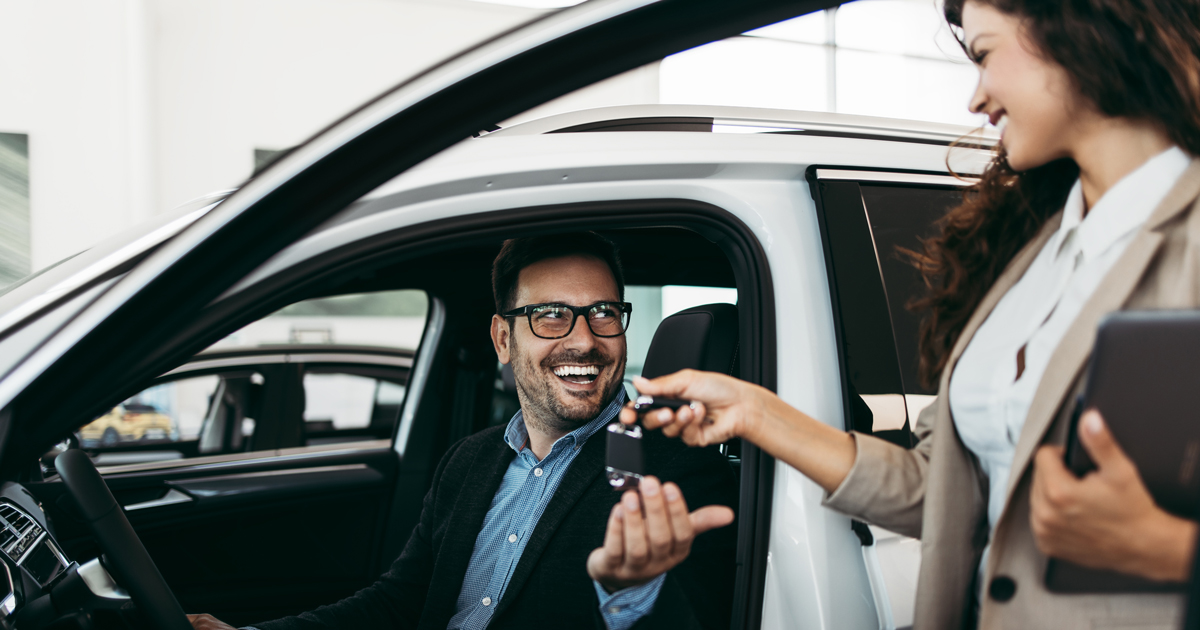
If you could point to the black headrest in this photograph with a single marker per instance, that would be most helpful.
(700, 338)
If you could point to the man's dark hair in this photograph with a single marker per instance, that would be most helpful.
(519, 253)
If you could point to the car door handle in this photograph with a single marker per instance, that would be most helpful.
(172, 497)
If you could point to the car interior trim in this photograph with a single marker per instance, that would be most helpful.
(225, 461)
(100, 582)
(434, 325)
(307, 357)
(172, 497)
(895, 178)
(279, 473)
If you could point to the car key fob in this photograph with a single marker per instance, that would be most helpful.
(644, 403)
(623, 459)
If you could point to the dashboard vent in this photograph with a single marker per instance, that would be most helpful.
(20, 531)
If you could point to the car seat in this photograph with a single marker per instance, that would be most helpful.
(699, 338)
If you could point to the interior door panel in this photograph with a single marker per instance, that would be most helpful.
(252, 539)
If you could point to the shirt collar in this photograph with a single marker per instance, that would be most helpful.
(517, 437)
(1125, 207)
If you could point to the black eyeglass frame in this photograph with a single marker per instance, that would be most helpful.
(576, 312)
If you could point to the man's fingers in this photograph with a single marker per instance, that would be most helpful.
(1100, 444)
(681, 522)
(658, 525)
(636, 551)
(614, 536)
(710, 517)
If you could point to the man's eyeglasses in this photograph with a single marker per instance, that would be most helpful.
(555, 321)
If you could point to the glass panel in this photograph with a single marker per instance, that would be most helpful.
(338, 401)
(392, 319)
(653, 304)
(165, 413)
(807, 29)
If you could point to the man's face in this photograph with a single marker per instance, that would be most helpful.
(550, 394)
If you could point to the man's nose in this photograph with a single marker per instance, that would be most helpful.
(581, 335)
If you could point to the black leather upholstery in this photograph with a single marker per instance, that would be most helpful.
(701, 338)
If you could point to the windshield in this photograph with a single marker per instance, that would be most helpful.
(83, 268)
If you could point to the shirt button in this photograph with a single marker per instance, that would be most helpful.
(512, 538)
(537, 472)
(487, 601)
(612, 610)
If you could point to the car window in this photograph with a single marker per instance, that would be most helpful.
(866, 225)
(387, 319)
(348, 407)
(161, 422)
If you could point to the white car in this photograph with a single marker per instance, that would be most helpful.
(796, 216)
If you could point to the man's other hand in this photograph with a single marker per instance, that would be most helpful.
(208, 622)
(649, 532)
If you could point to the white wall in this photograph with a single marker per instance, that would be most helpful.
(136, 106)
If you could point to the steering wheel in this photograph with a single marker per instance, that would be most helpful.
(124, 553)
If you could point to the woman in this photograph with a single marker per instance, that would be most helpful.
(1091, 205)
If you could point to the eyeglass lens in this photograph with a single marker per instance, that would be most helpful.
(605, 320)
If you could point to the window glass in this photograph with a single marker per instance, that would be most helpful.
(162, 414)
(391, 319)
(346, 407)
(652, 304)
(900, 216)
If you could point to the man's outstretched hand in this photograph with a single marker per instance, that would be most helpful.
(649, 532)
(208, 622)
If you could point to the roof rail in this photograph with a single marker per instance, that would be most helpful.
(716, 119)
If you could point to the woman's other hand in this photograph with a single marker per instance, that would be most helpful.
(722, 407)
(1107, 519)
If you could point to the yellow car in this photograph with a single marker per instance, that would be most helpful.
(127, 422)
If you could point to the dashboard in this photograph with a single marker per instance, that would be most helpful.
(31, 558)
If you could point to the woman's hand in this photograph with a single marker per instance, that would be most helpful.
(722, 407)
(1107, 519)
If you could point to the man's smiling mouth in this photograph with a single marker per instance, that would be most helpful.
(579, 374)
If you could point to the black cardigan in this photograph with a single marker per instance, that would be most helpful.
(550, 587)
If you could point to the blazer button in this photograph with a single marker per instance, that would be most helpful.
(1002, 588)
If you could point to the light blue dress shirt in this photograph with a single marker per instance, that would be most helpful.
(524, 493)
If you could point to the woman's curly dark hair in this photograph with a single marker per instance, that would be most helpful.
(1134, 59)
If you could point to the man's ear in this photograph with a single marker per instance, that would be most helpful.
(501, 338)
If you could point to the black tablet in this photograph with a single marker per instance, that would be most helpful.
(1144, 379)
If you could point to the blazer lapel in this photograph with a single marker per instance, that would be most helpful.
(584, 469)
(1073, 351)
(484, 477)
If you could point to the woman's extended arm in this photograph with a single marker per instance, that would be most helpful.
(726, 407)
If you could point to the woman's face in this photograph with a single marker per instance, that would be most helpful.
(1028, 97)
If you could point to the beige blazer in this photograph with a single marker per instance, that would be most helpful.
(937, 492)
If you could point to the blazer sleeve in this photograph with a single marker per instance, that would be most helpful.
(698, 593)
(396, 600)
(886, 484)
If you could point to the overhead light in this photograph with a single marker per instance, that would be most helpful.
(535, 4)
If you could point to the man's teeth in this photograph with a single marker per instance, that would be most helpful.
(1002, 123)
(576, 370)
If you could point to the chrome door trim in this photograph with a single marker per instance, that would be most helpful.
(172, 497)
(221, 462)
(419, 376)
(305, 357)
(896, 178)
(279, 473)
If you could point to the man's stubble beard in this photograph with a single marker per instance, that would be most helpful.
(542, 407)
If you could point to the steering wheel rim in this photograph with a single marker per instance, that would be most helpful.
(124, 554)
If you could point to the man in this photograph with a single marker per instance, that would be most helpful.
(520, 527)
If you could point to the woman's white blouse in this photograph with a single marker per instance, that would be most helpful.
(993, 384)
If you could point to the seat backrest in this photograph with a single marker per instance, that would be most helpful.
(701, 338)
